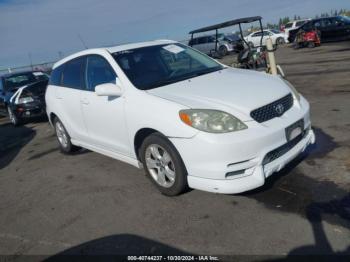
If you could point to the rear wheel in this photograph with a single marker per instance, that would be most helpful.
(63, 138)
(163, 164)
(13, 118)
(280, 41)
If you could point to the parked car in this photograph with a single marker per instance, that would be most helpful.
(22, 95)
(226, 44)
(187, 119)
(293, 25)
(277, 37)
(335, 28)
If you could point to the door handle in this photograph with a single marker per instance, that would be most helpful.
(84, 101)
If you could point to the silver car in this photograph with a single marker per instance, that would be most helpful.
(225, 44)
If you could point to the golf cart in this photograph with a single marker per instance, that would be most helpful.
(250, 57)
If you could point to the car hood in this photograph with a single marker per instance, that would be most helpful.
(232, 90)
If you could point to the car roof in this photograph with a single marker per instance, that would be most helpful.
(112, 49)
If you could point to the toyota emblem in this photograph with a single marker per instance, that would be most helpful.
(279, 109)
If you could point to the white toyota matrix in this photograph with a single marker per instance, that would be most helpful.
(188, 120)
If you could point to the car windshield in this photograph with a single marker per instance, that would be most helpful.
(154, 66)
(15, 81)
(275, 31)
(345, 19)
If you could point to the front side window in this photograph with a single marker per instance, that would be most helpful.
(73, 73)
(154, 66)
(98, 71)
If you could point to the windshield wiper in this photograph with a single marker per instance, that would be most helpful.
(185, 77)
(207, 71)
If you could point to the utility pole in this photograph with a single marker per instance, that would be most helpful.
(30, 60)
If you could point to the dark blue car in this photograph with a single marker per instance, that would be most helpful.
(22, 95)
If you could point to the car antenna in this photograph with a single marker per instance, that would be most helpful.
(82, 41)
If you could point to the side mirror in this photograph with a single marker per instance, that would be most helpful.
(108, 89)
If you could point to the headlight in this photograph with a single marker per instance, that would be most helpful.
(24, 100)
(212, 121)
(294, 91)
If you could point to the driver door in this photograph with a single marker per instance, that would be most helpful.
(103, 115)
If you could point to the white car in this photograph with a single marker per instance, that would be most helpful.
(278, 38)
(293, 25)
(187, 119)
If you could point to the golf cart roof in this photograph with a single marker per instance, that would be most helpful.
(228, 23)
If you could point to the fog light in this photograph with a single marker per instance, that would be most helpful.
(235, 173)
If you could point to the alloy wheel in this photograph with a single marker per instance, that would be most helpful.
(61, 134)
(160, 165)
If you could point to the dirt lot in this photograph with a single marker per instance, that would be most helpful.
(91, 204)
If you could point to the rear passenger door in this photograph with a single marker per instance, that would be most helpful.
(68, 96)
(104, 115)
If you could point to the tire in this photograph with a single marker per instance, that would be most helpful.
(63, 138)
(13, 118)
(251, 44)
(280, 41)
(163, 165)
(311, 45)
(223, 50)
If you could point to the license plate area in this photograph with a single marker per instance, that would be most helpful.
(295, 130)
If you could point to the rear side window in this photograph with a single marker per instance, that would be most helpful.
(300, 23)
(202, 40)
(73, 73)
(98, 71)
(56, 76)
(288, 25)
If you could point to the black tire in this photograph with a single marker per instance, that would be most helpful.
(179, 184)
(250, 44)
(280, 41)
(13, 118)
(65, 147)
(223, 50)
(311, 45)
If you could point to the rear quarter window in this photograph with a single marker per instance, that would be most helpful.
(300, 23)
(288, 25)
(56, 76)
(72, 76)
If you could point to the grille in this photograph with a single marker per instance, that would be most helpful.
(269, 111)
(280, 151)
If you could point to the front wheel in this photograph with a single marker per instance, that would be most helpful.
(311, 45)
(163, 164)
(13, 118)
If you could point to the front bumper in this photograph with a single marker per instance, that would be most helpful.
(236, 162)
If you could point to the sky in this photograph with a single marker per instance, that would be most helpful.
(42, 30)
